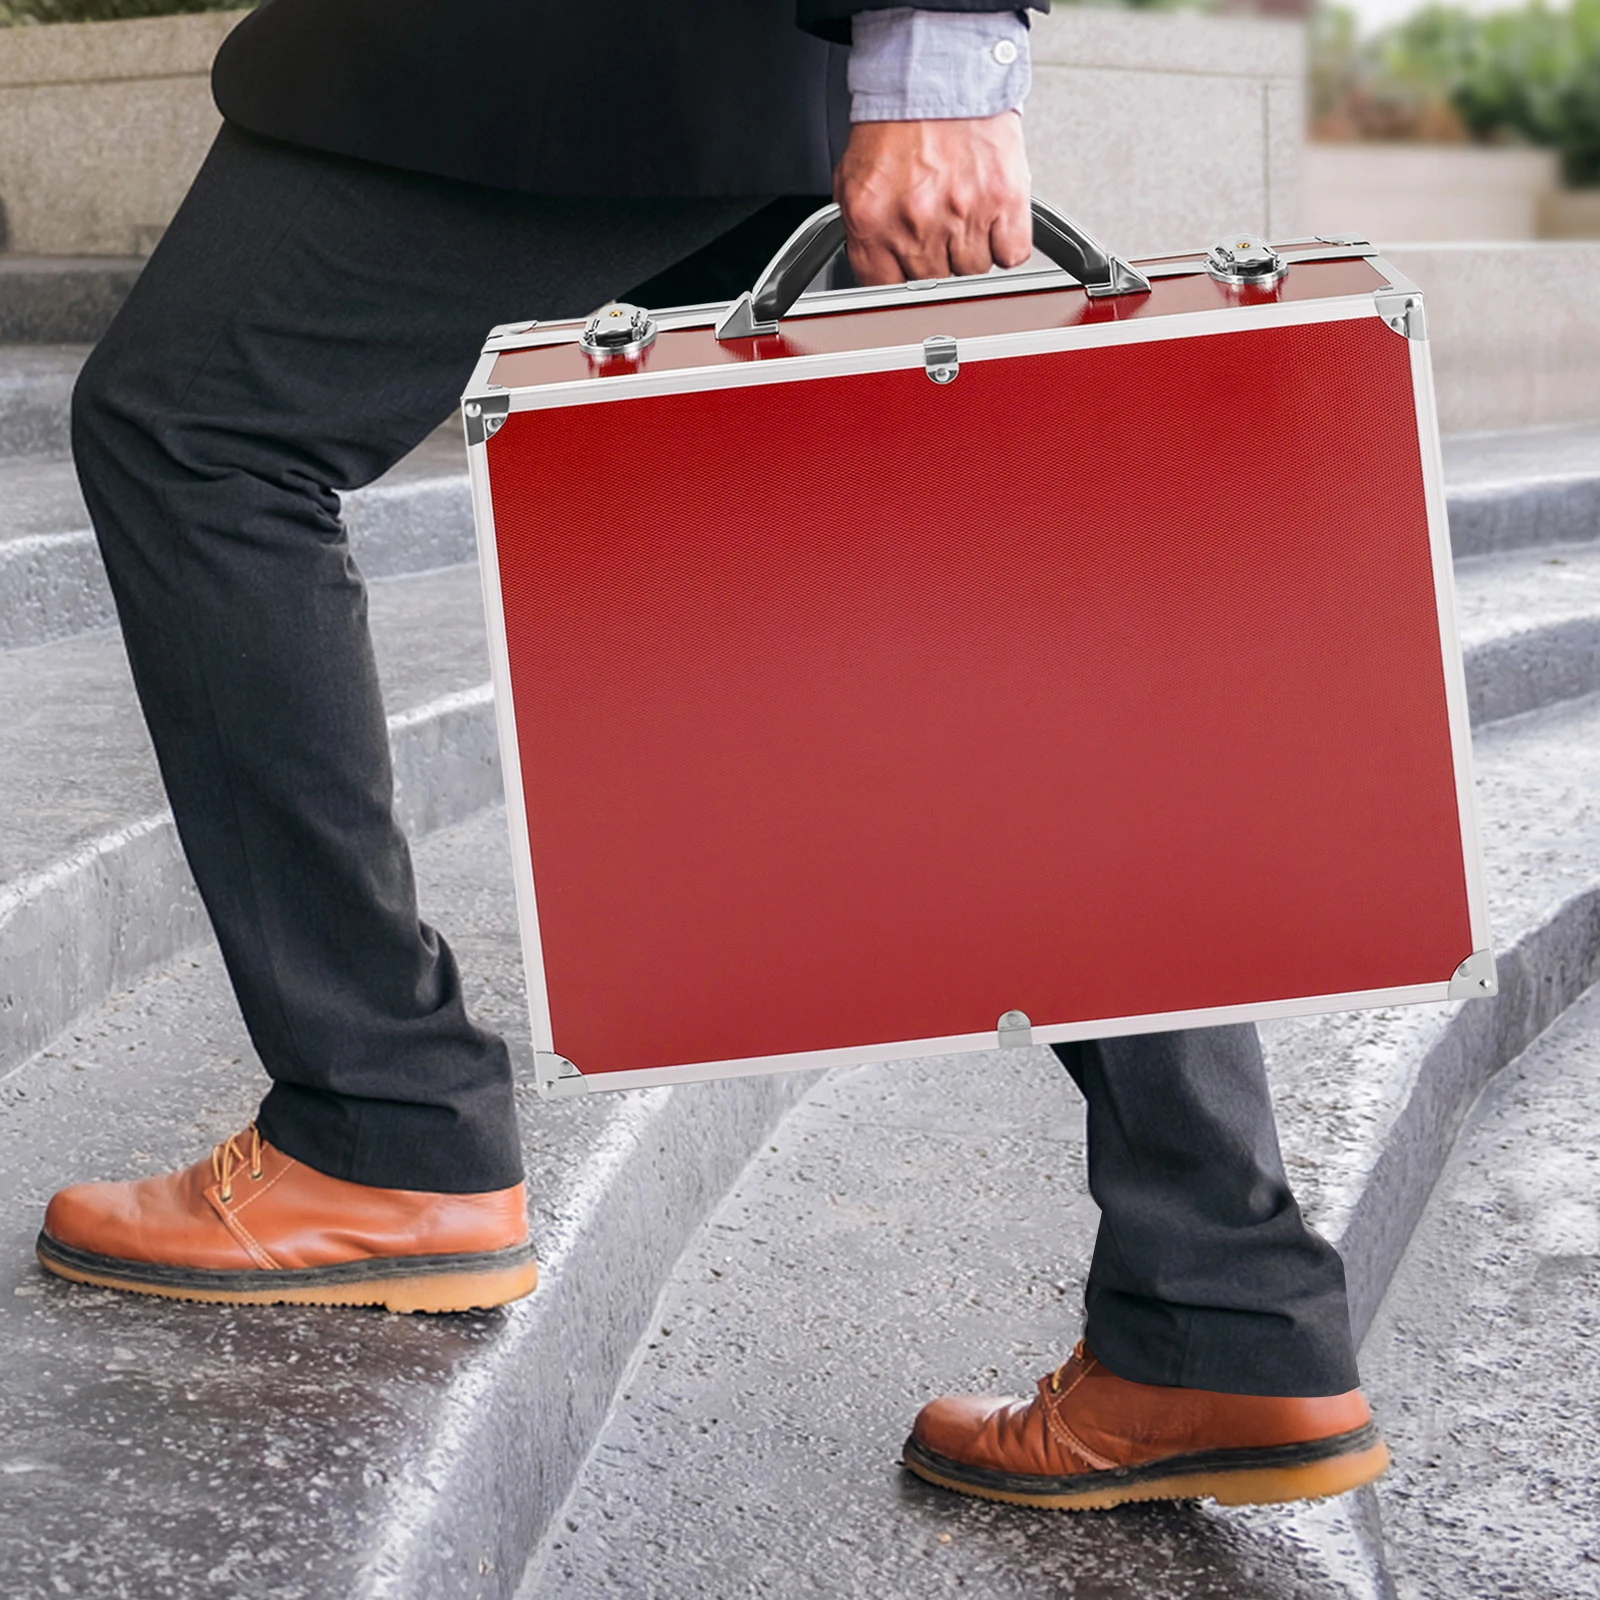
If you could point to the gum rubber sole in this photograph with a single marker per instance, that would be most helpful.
(441, 1289)
(1253, 1485)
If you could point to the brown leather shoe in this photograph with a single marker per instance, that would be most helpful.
(251, 1226)
(1090, 1439)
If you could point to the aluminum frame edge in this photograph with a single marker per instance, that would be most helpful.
(510, 756)
(535, 335)
(1457, 705)
(569, 1087)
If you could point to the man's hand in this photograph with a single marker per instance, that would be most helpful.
(935, 199)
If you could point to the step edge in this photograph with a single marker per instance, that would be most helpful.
(668, 1172)
(53, 584)
(1542, 974)
(123, 903)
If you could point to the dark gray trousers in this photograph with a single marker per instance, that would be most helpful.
(306, 321)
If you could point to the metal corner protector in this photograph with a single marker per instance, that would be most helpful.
(554, 1077)
(1401, 309)
(1475, 978)
(483, 415)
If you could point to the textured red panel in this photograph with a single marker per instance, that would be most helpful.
(1095, 684)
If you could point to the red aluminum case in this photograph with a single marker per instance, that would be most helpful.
(1112, 686)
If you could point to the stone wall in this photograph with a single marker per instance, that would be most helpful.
(102, 125)
(1410, 192)
(1515, 330)
(1163, 131)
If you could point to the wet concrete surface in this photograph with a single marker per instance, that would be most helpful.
(911, 1229)
(155, 1450)
(1370, 1102)
(1485, 1356)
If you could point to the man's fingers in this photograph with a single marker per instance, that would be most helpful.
(872, 263)
(1011, 238)
(925, 258)
(896, 250)
(919, 233)
(970, 252)
(935, 198)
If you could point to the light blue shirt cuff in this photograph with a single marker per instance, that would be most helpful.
(906, 64)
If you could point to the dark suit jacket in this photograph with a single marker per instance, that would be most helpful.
(634, 98)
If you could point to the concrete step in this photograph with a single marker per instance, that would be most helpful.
(62, 299)
(1370, 1102)
(52, 583)
(1530, 487)
(1531, 616)
(1530, 627)
(93, 889)
(907, 1231)
(1483, 1354)
(35, 392)
(150, 1449)
(918, 1228)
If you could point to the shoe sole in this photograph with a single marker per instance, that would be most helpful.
(419, 1283)
(1264, 1477)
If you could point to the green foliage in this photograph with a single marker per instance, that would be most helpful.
(1366, 89)
(25, 11)
(1531, 74)
(1537, 73)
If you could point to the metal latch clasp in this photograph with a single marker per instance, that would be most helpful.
(1245, 261)
(939, 358)
(617, 330)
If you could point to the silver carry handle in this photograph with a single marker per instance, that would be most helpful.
(816, 241)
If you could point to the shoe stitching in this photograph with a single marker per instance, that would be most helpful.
(253, 1249)
(1083, 1372)
(1063, 1435)
(258, 1251)
(261, 1189)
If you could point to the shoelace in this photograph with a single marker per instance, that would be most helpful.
(227, 1158)
(1055, 1377)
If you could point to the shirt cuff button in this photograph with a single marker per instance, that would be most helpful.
(1005, 52)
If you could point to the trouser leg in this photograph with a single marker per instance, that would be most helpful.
(305, 322)
(1204, 1275)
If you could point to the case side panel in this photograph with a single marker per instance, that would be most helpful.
(1455, 676)
(510, 758)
